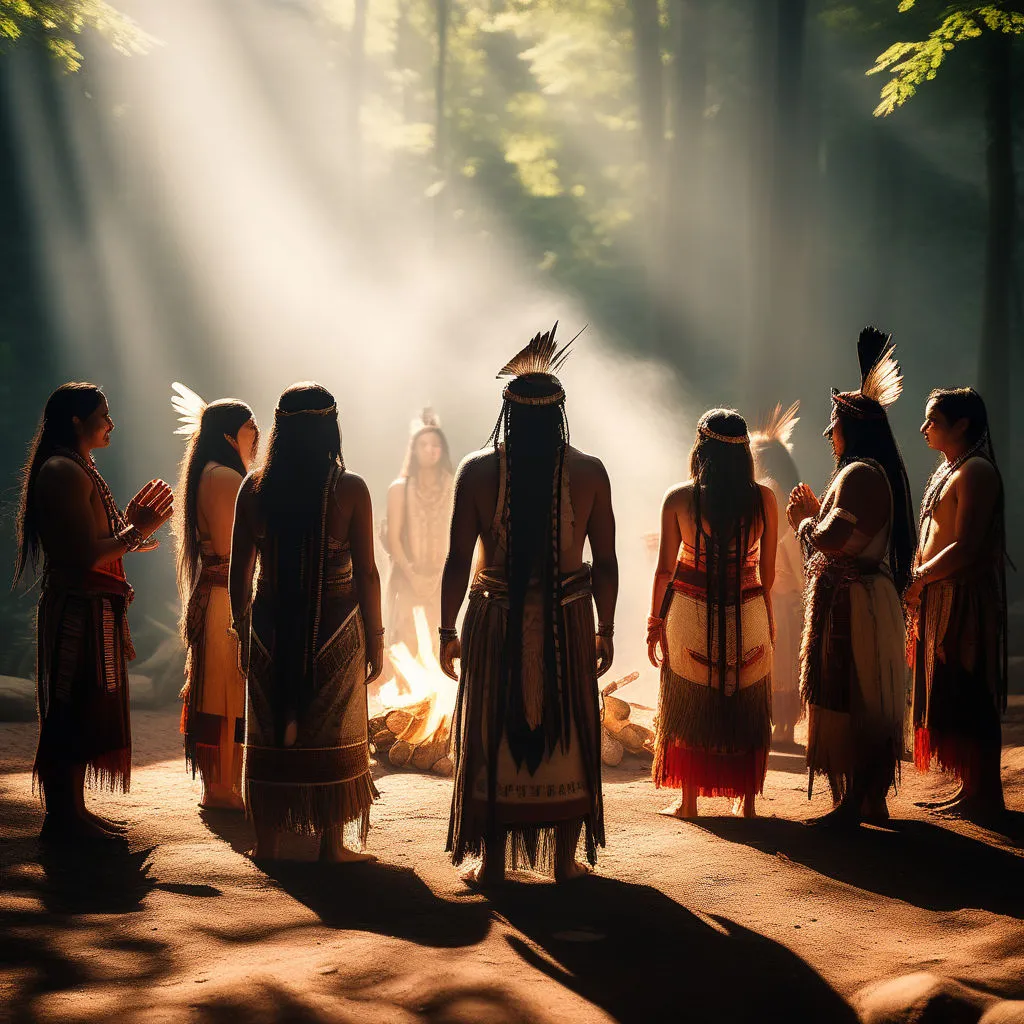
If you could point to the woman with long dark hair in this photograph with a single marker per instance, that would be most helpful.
(314, 638)
(419, 515)
(710, 630)
(68, 516)
(860, 539)
(223, 439)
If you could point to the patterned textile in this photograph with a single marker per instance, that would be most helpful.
(84, 647)
(202, 727)
(495, 793)
(322, 780)
(713, 734)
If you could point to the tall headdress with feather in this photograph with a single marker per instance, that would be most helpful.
(189, 407)
(880, 376)
(777, 427)
(540, 358)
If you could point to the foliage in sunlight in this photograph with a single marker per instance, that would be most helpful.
(911, 64)
(59, 22)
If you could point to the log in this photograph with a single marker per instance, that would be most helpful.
(633, 738)
(443, 766)
(400, 753)
(611, 749)
(428, 753)
(383, 739)
(401, 718)
(615, 708)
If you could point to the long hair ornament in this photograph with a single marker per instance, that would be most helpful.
(189, 407)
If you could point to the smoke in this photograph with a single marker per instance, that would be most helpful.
(220, 234)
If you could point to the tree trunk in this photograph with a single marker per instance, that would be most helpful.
(682, 244)
(994, 369)
(651, 107)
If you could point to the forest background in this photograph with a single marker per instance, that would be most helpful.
(717, 187)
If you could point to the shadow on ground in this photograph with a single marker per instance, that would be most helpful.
(633, 951)
(918, 862)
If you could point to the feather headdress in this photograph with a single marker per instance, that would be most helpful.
(778, 427)
(427, 420)
(540, 356)
(189, 407)
(881, 381)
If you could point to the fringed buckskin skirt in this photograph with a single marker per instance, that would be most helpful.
(713, 735)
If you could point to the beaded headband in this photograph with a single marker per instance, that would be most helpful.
(329, 411)
(708, 432)
(553, 399)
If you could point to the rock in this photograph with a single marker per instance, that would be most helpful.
(615, 709)
(921, 998)
(17, 699)
(1006, 1011)
(165, 668)
(141, 691)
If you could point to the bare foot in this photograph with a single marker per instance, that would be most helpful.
(111, 827)
(743, 807)
(978, 809)
(682, 809)
(343, 855)
(573, 870)
(266, 850)
(479, 874)
(64, 830)
(842, 816)
(229, 801)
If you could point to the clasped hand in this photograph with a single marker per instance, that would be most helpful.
(150, 509)
(803, 504)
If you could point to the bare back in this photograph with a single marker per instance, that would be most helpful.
(479, 485)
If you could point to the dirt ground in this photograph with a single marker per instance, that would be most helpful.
(722, 919)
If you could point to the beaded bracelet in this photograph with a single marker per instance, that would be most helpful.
(447, 633)
(605, 630)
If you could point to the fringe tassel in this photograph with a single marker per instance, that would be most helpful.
(711, 773)
(111, 771)
(959, 756)
(310, 810)
(702, 717)
(536, 847)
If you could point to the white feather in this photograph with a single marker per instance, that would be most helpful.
(189, 407)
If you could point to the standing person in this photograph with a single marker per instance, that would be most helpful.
(957, 605)
(68, 515)
(527, 722)
(772, 449)
(860, 538)
(419, 516)
(710, 630)
(223, 439)
(315, 639)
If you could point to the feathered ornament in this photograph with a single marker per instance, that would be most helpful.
(189, 407)
(427, 420)
(778, 426)
(883, 383)
(539, 356)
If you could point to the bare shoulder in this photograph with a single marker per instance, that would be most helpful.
(862, 475)
(477, 466)
(679, 497)
(769, 497)
(61, 474)
(222, 478)
(350, 486)
(586, 467)
(978, 473)
(397, 485)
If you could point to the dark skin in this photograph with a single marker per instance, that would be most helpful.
(476, 497)
(951, 541)
(349, 519)
(76, 538)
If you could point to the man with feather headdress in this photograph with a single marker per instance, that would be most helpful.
(860, 540)
(771, 446)
(527, 721)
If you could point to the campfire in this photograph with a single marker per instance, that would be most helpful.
(413, 729)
